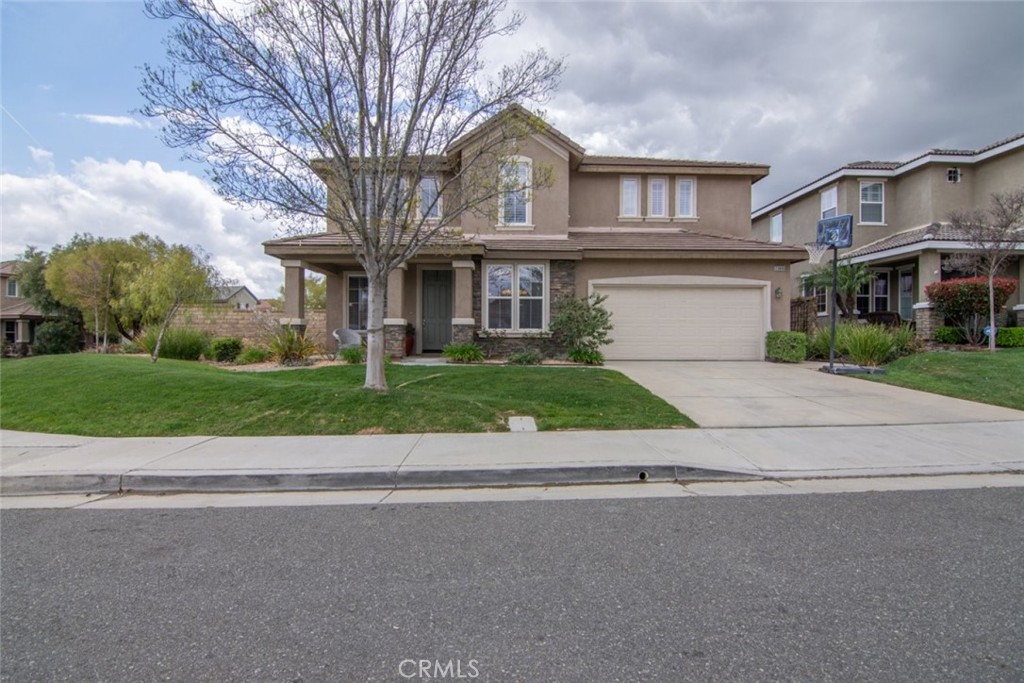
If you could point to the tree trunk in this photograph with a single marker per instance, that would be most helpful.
(375, 378)
(991, 313)
(96, 327)
(155, 356)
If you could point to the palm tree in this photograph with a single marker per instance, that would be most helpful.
(850, 277)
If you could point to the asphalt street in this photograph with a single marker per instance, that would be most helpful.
(896, 586)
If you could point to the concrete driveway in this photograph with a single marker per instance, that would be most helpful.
(760, 394)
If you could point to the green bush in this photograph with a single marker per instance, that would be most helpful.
(179, 343)
(582, 327)
(130, 346)
(1010, 337)
(353, 355)
(818, 342)
(965, 302)
(57, 336)
(870, 345)
(252, 354)
(463, 353)
(525, 357)
(905, 341)
(950, 335)
(288, 346)
(586, 356)
(225, 349)
(786, 347)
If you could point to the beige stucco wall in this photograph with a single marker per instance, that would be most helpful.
(590, 269)
(722, 203)
(1000, 174)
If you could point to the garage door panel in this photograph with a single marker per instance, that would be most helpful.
(685, 322)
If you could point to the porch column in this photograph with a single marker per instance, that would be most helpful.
(335, 309)
(394, 322)
(463, 323)
(294, 295)
(1018, 309)
(926, 318)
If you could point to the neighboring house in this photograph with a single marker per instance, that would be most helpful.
(667, 241)
(235, 296)
(901, 221)
(18, 316)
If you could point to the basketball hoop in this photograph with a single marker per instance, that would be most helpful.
(815, 250)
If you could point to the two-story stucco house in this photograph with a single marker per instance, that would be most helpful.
(901, 221)
(667, 241)
(17, 314)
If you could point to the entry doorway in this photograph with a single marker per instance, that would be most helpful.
(436, 325)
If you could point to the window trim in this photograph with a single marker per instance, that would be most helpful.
(819, 293)
(527, 191)
(515, 265)
(11, 282)
(771, 228)
(623, 216)
(832, 192)
(881, 203)
(663, 181)
(693, 198)
(881, 275)
(348, 300)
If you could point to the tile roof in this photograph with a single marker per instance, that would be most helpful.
(657, 161)
(23, 309)
(940, 232)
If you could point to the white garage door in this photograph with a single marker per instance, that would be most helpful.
(684, 322)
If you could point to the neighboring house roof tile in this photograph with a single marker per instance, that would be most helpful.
(936, 232)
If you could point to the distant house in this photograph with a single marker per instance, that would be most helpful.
(18, 315)
(667, 241)
(236, 296)
(901, 221)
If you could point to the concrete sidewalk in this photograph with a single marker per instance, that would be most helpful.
(42, 463)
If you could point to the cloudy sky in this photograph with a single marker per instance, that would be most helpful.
(804, 87)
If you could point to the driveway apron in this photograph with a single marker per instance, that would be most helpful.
(761, 394)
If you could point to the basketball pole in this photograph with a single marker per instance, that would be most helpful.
(835, 302)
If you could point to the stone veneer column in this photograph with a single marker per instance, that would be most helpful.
(394, 322)
(294, 295)
(926, 320)
(463, 322)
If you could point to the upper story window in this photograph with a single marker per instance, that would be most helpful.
(657, 198)
(830, 202)
(515, 199)
(430, 200)
(629, 198)
(872, 202)
(686, 201)
(516, 296)
(954, 175)
(775, 228)
(12, 287)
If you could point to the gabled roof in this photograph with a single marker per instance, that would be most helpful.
(222, 294)
(895, 168)
(517, 111)
(924, 237)
(12, 267)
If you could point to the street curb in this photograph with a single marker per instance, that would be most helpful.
(382, 478)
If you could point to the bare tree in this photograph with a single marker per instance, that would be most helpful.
(279, 96)
(995, 236)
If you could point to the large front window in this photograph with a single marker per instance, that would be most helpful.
(872, 203)
(358, 301)
(515, 198)
(873, 297)
(515, 296)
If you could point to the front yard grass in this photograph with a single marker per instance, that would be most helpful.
(100, 395)
(996, 378)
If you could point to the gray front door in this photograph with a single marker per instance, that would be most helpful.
(437, 309)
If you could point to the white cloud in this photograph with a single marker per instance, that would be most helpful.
(110, 120)
(115, 199)
(43, 158)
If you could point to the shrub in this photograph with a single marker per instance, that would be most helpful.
(57, 336)
(525, 357)
(586, 356)
(353, 355)
(463, 353)
(582, 327)
(818, 342)
(869, 345)
(252, 354)
(291, 347)
(905, 341)
(950, 335)
(225, 349)
(131, 346)
(965, 302)
(786, 347)
(1010, 337)
(179, 343)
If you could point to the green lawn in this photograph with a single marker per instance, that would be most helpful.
(996, 378)
(97, 395)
